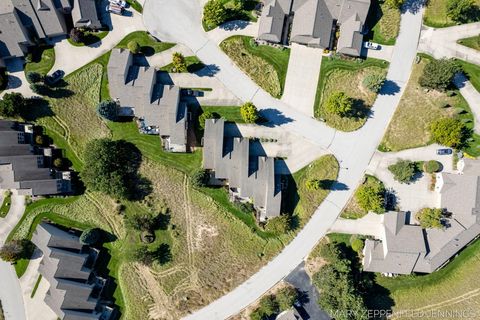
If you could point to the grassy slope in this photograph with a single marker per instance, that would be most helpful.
(43, 60)
(409, 127)
(148, 44)
(347, 76)
(267, 66)
(436, 14)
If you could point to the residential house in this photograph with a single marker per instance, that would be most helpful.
(406, 248)
(249, 178)
(314, 22)
(85, 15)
(291, 314)
(74, 288)
(157, 106)
(25, 167)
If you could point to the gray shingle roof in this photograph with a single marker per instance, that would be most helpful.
(84, 14)
(13, 35)
(460, 195)
(272, 20)
(312, 23)
(63, 266)
(248, 177)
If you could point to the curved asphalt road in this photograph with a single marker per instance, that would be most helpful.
(180, 21)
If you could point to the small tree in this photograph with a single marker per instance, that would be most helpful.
(107, 109)
(286, 298)
(12, 105)
(313, 184)
(279, 225)
(203, 117)
(58, 163)
(394, 3)
(438, 74)
(39, 140)
(134, 47)
(214, 13)
(431, 166)
(339, 103)
(162, 254)
(90, 237)
(249, 112)
(199, 178)
(430, 218)
(179, 63)
(357, 244)
(371, 196)
(460, 10)
(34, 77)
(15, 249)
(142, 221)
(403, 171)
(39, 88)
(374, 82)
(77, 35)
(448, 132)
(143, 255)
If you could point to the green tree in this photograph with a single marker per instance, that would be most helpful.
(12, 105)
(214, 13)
(16, 249)
(286, 298)
(107, 109)
(431, 166)
(438, 74)
(77, 35)
(143, 255)
(204, 116)
(142, 221)
(249, 112)
(279, 225)
(394, 3)
(357, 244)
(403, 171)
(111, 167)
(268, 305)
(430, 218)
(34, 77)
(371, 196)
(179, 63)
(339, 103)
(448, 132)
(40, 88)
(460, 10)
(134, 47)
(374, 82)
(199, 178)
(90, 236)
(162, 254)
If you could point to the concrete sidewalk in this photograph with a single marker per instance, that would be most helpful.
(302, 78)
(369, 225)
(472, 96)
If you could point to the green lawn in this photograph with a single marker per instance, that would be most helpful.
(148, 44)
(266, 65)
(42, 60)
(384, 23)
(346, 75)
(229, 113)
(409, 127)
(473, 42)
(193, 65)
(472, 71)
(135, 5)
(90, 37)
(436, 14)
(7, 201)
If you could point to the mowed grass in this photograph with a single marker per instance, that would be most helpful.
(267, 66)
(90, 37)
(418, 108)
(472, 71)
(148, 44)
(193, 64)
(384, 22)
(42, 60)
(229, 113)
(7, 202)
(347, 76)
(472, 42)
(436, 14)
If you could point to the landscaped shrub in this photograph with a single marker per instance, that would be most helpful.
(279, 225)
(203, 117)
(179, 63)
(461, 10)
(448, 132)
(199, 178)
(273, 304)
(249, 112)
(142, 221)
(40, 88)
(374, 82)
(371, 195)
(403, 171)
(12, 105)
(214, 13)
(357, 244)
(107, 109)
(438, 74)
(313, 184)
(430, 218)
(90, 237)
(16, 249)
(339, 103)
(134, 47)
(77, 35)
(431, 166)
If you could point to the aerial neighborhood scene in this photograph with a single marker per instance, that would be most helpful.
(239, 159)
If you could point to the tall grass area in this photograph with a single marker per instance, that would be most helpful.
(267, 66)
(436, 14)
(338, 74)
(384, 22)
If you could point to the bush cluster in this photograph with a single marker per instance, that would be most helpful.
(403, 171)
(273, 304)
(371, 195)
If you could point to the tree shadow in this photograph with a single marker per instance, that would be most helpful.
(360, 110)
(148, 51)
(209, 70)
(413, 6)
(274, 117)
(234, 25)
(13, 82)
(389, 88)
(194, 67)
(163, 221)
(333, 185)
(36, 108)
(374, 15)
(162, 254)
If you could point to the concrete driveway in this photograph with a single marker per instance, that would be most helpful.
(416, 195)
(442, 42)
(472, 96)
(369, 225)
(302, 78)
(164, 58)
(384, 53)
(10, 291)
(233, 28)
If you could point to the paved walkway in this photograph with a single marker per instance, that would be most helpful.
(354, 150)
(10, 291)
(443, 42)
(472, 96)
(233, 28)
(302, 78)
(164, 58)
(369, 225)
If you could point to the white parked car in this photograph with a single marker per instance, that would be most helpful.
(120, 3)
(371, 45)
(114, 9)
